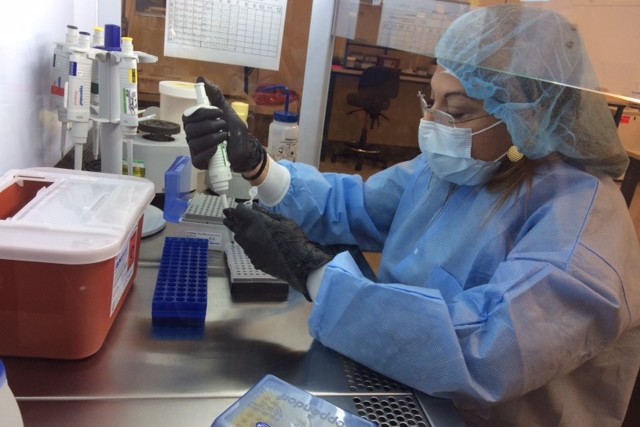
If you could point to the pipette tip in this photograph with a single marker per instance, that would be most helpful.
(225, 201)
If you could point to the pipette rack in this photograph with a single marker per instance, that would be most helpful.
(247, 283)
(180, 296)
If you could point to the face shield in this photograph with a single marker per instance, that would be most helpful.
(526, 65)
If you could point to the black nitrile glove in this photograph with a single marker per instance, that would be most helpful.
(275, 245)
(244, 150)
(205, 130)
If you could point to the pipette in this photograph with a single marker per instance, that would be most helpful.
(77, 95)
(60, 79)
(219, 170)
(128, 70)
(98, 42)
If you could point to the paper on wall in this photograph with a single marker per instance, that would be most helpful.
(238, 32)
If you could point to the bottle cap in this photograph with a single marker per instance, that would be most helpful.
(285, 116)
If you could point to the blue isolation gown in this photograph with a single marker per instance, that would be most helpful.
(521, 314)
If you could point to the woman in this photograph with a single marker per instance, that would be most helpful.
(509, 269)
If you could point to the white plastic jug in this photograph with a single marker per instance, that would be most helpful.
(283, 131)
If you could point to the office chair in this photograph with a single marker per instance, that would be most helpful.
(376, 88)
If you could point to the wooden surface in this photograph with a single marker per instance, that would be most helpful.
(147, 30)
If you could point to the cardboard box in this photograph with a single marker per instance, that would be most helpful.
(69, 246)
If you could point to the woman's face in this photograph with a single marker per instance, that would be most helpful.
(448, 96)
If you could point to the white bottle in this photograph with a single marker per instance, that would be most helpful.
(9, 411)
(283, 132)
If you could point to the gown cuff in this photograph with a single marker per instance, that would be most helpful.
(276, 184)
(314, 281)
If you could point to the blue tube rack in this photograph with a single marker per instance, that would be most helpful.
(180, 296)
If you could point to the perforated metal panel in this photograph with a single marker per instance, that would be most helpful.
(391, 411)
(381, 399)
(362, 379)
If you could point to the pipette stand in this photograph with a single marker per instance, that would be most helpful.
(111, 133)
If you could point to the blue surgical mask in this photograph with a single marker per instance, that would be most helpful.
(448, 150)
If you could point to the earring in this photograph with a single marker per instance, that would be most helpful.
(514, 155)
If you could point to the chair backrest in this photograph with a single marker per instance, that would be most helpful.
(379, 82)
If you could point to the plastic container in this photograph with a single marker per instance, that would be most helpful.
(9, 411)
(283, 137)
(175, 97)
(69, 246)
(177, 189)
(284, 132)
(275, 403)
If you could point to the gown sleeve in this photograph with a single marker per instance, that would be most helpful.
(343, 209)
(560, 297)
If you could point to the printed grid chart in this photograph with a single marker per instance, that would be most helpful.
(247, 27)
